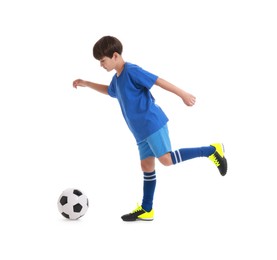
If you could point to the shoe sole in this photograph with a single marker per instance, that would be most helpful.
(145, 219)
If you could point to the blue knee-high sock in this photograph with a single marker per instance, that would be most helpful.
(190, 153)
(149, 185)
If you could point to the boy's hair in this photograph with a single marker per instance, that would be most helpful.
(106, 47)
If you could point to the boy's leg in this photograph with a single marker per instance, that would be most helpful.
(149, 182)
(214, 152)
(145, 211)
(185, 154)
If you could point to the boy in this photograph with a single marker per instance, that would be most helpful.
(146, 120)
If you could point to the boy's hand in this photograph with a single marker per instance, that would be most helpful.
(79, 82)
(189, 99)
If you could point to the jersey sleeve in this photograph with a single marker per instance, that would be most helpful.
(142, 78)
(111, 89)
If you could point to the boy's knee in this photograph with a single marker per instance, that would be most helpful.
(148, 165)
(165, 159)
(147, 168)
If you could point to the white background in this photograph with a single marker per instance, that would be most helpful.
(53, 137)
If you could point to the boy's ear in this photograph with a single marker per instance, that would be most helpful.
(115, 55)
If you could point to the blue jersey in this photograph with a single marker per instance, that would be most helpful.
(132, 90)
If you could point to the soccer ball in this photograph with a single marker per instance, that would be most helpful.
(73, 203)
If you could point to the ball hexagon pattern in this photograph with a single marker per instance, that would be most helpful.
(73, 203)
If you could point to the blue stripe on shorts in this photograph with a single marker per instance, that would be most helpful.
(155, 145)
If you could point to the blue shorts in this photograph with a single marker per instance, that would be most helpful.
(155, 145)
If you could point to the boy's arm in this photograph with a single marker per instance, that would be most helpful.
(98, 87)
(187, 98)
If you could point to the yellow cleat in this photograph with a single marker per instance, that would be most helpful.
(139, 214)
(219, 159)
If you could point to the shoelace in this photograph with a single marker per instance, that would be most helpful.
(137, 209)
(215, 160)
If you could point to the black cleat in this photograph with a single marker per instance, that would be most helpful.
(219, 159)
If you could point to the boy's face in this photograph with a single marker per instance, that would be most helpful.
(108, 63)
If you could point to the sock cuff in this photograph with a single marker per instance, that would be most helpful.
(149, 176)
(176, 156)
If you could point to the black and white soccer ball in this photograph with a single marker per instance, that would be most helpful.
(73, 203)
